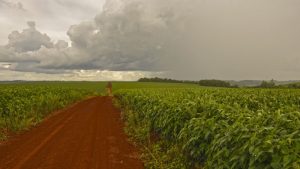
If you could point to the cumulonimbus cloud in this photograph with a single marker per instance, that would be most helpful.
(127, 38)
(191, 38)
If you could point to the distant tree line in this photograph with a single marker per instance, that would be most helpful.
(291, 86)
(267, 84)
(294, 85)
(215, 83)
(212, 83)
(165, 80)
(219, 83)
(272, 84)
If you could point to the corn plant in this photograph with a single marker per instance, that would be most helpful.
(221, 128)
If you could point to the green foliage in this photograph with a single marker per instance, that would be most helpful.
(163, 156)
(215, 83)
(292, 85)
(267, 84)
(218, 127)
(150, 85)
(23, 106)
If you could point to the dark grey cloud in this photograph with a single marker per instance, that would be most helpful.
(82, 35)
(126, 38)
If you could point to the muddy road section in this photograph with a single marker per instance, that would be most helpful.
(88, 135)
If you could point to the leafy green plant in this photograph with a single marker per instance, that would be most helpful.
(24, 106)
(218, 128)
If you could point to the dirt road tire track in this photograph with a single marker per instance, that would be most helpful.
(88, 135)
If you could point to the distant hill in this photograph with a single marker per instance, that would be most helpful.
(13, 82)
(245, 83)
(291, 85)
(252, 83)
(242, 83)
(166, 80)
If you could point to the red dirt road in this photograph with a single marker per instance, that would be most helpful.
(88, 135)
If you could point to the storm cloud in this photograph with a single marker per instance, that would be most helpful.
(186, 39)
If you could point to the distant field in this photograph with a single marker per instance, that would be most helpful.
(25, 104)
(100, 86)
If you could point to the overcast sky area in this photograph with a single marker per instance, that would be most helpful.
(129, 39)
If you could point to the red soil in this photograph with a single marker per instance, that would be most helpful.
(88, 135)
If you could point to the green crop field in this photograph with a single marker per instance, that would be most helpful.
(178, 125)
(214, 127)
(25, 104)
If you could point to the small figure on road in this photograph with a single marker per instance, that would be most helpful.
(109, 88)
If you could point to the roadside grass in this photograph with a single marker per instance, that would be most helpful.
(156, 153)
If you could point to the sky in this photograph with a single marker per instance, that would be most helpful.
(130, 39)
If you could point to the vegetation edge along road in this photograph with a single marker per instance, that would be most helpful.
(21, 107)
(89, 134)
